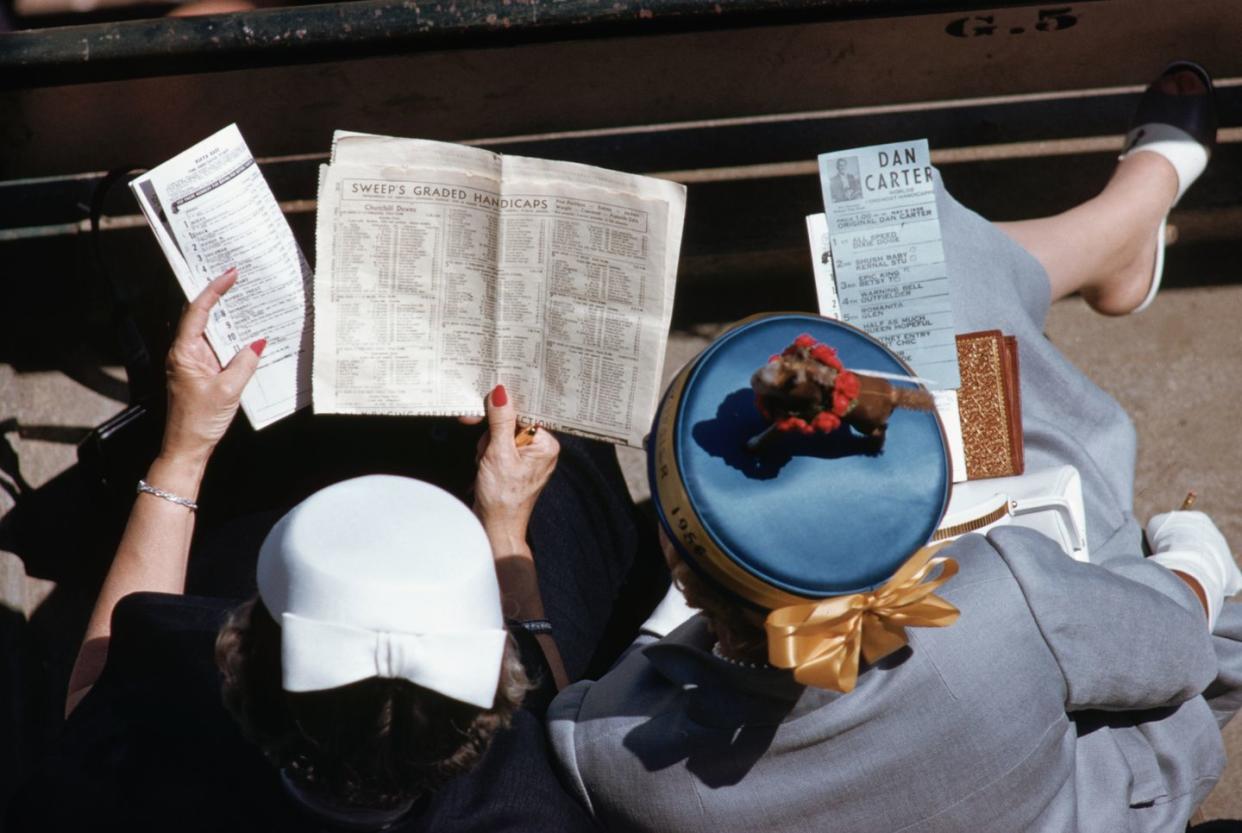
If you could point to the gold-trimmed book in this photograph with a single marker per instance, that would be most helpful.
(989, 404)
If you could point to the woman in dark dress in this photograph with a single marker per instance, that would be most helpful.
(149, 741)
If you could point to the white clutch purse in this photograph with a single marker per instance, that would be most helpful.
(1048, 501)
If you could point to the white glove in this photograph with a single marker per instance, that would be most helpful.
(669, 614)
(1190, 543)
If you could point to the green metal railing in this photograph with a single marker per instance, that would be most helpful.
(335, 31)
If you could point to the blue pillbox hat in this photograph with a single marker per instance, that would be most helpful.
(804, 517)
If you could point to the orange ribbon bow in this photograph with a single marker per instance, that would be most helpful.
(821, 641)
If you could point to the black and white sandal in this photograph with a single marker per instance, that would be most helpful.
(1182, 129)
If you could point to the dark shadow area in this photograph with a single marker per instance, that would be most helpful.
(56, 310)
(64, 434)
(741, 286)
(158, 719)
(718, 757)
(13, 723)
(726, 759)
(62, 531)
(720, 736)
(92, 377)
(1204, 263)
(53, 635)
(13, 482)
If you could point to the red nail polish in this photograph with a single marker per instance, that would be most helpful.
(500, 397)
(258, 346)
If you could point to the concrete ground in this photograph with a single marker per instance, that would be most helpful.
(1175, 368)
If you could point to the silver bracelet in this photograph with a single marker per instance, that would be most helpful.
(144, 486)
(533, 626)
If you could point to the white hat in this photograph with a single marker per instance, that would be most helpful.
(384, 576)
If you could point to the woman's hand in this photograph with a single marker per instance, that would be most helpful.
(510, 478)
(203, 397)
(506, 488)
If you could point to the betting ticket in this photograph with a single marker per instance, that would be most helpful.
(210, 209)
(884, 234)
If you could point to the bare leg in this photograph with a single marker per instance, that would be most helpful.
(1105, 248)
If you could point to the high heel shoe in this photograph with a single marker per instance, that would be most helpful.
(1181, 127)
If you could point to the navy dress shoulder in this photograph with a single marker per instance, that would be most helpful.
(151, 747)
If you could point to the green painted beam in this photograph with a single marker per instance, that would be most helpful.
(335, 31)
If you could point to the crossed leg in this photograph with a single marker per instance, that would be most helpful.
(1105, 248)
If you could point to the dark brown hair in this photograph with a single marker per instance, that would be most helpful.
(377, 743)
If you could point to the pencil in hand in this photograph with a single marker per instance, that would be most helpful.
(526, 436)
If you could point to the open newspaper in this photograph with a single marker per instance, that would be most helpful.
(211, 209)
(444, 269)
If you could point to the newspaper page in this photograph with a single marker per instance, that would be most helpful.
(210, 209)
(886, 247)
(445, 269)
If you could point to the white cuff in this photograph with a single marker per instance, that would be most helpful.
(1201, 568)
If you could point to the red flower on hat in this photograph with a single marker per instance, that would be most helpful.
(825, 355)
(793, 423)
(845, 392)
(826, 422)
(848, 384)
(790, 405)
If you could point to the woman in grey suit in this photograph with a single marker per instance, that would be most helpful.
(1027, 691)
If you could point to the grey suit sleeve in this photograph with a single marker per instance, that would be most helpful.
(562, 719)
(1127, 634)
(1224, 695)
